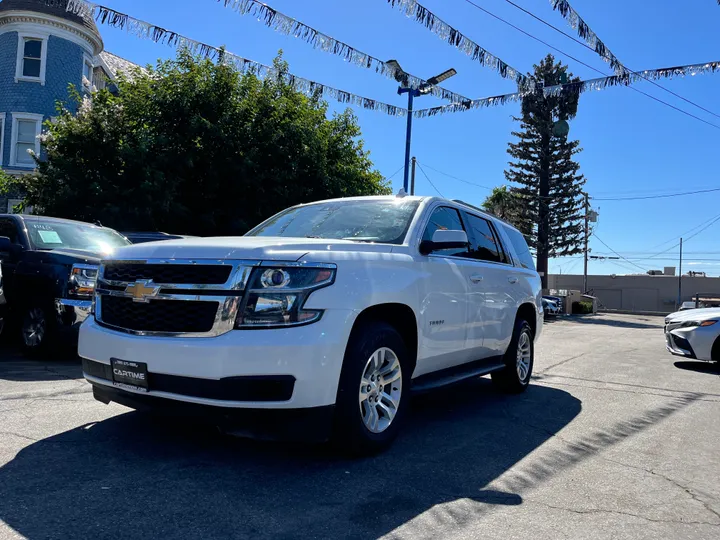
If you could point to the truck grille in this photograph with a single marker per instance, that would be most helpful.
(159, 315)
(181, 274)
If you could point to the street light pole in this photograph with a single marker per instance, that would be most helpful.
(402, 77)
(408, 135)
(412, 177)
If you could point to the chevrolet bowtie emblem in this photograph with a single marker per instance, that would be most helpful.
(142, 290)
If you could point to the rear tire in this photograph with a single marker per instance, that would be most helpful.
(373, 391)
(519, 360)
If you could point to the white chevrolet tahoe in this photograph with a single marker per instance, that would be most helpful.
(320, 321)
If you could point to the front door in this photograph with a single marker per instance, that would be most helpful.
(444, 308)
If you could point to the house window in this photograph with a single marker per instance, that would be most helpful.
(2, 136)
(32, 54)
(25, 131)
(87, 79)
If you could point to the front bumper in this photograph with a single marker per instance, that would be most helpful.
(691, 342)
(72, 313)
(309, 425)
(229, 370)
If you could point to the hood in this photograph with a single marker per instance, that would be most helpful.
(701, 314)
(72, 255)
(264, 248)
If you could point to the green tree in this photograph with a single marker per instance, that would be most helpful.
(507, 205)
(549, 182)
(194, 147)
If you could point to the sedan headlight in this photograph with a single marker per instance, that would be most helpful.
(82, 280)
(276, 295)
(690, 324)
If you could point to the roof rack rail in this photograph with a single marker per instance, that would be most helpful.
(468, 204)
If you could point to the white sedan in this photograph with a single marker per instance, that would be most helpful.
(694, 333)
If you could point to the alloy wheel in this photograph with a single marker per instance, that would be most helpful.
(524, 354)
(380, 390)
(34, 327)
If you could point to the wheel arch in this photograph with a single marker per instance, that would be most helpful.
(715, 351)
(528, 312)
(399, 316)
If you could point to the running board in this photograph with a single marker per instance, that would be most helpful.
(457, 374)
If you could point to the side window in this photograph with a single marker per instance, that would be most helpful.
(445, 218)
(8, 227)
(520, 246)
(485, 246)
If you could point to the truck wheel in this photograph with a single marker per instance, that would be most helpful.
(37, 328)
(519, 359)
(371, 400)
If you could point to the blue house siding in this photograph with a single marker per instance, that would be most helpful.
(64, 67)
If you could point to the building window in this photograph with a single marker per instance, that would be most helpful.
(87, 79)
(2, 136)
(31, 58)
(25, 130)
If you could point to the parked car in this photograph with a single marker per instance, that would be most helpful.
(142, 237)
(687, 305)
(320, 321)
(694, 334)
(551, 305)
(49, 268)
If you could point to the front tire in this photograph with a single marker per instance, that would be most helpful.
(371, 401)
(37, 329)
(519, 360)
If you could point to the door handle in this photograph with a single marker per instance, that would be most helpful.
(513, 280)
(476, 278)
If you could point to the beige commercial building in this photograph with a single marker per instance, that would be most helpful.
(637, 293)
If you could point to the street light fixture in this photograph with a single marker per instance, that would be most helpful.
(402, 77)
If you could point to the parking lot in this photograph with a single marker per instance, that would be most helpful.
(614, 439)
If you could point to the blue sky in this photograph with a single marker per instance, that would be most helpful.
(632, 145)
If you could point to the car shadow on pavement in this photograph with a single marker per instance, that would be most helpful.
(61, 363)
(640, 322)
(131, 476)
(712, 368)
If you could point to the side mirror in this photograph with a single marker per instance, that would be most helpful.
(5, 245)
(444, 239)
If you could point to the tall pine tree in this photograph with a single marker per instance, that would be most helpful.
(549, 182)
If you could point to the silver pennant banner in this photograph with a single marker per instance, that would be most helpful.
(591, 85)
(457, 39)
(289, 26)
(584, 31)
(145, 30)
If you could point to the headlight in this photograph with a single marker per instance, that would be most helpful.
(82, 280)
(689, 324)
(275, 296)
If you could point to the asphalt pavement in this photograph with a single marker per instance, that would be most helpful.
(614, 439)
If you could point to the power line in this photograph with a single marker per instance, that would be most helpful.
(595, 69)
(655, 196)
(456, 178)
(684, 234)
(393, 174)
(593, 50)
(616, 253)
(428, 179)
(712, 222)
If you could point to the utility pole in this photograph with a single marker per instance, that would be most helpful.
(411, 92)
(587, 234)
(679, 301)
(412, 177)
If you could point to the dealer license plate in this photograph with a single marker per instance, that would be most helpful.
(129, 375)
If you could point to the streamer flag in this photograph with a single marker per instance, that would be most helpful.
(284, 24)
(457, 39)
(110, 17)
(584, 31)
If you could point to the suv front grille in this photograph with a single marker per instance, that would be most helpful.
(182, 274)
(158, 315)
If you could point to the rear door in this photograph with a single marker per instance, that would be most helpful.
(9, 226)
(490, 272)
(444, 298)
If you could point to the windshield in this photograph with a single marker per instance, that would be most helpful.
(385, 221)
(50, 234)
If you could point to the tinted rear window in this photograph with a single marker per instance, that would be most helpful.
(522, 252)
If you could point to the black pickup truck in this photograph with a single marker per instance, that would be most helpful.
(49, 267)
